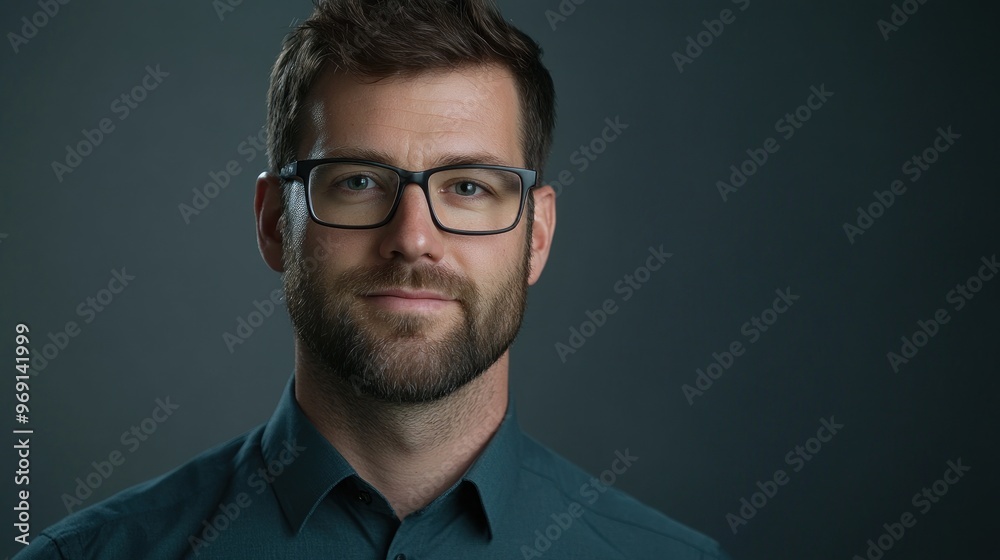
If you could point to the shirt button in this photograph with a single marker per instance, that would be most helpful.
(364, 496)
(400, 557)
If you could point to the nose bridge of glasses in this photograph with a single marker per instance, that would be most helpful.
(407, 178)
(417, 181)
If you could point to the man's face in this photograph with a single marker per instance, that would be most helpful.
(407, 312)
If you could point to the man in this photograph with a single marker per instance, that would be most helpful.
(404, 210)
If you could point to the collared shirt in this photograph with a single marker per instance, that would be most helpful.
(283, 491)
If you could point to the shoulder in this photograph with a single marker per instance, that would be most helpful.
(614, 519)
(147, 516)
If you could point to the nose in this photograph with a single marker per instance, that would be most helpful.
(411, 234)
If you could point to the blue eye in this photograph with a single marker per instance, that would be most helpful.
(466, 188)
(358, 183)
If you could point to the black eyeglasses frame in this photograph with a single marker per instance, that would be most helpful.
(301, 170)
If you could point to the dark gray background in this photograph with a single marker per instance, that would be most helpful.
(654, 185)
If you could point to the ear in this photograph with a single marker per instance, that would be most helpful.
(268, 209)
(542, 231)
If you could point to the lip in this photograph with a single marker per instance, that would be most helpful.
(411, 294)
(410, 301)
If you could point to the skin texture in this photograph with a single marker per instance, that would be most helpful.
(412, 451)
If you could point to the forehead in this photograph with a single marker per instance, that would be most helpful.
(417, 120)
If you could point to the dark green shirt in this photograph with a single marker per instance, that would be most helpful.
(282, 491)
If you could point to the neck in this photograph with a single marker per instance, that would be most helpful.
(411, 453)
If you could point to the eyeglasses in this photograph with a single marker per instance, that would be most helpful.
(464, 199)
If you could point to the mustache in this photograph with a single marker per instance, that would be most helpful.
(396, 275)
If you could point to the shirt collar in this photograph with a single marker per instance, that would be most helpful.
(495, 473)
(305, 480)
(308, 475)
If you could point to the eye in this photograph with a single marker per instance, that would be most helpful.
(358, 183)
(467, 188)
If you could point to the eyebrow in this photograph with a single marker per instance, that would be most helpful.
(379, 156)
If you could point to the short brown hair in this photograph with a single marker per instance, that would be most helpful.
(382, 38)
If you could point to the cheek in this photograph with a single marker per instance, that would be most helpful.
(490, 259)
(337, 250)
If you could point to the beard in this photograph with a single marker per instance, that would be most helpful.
(402, 357)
